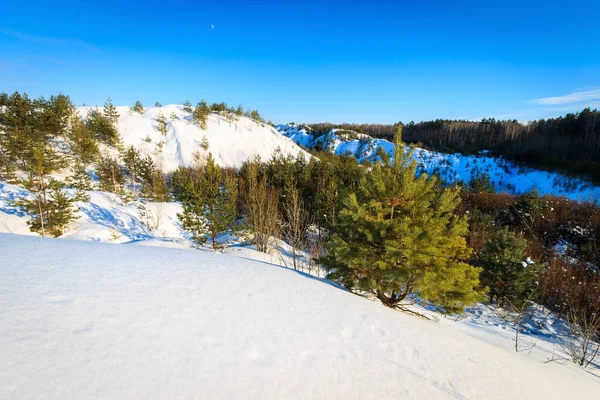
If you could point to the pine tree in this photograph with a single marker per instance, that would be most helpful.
(103, 128)
(17, 119)
(201, 113)
(204, 144)
(481, 183)
(51, 210)
(153, 182)
(209, 206)
(398, 235)
(84, 146)
(508, 273)
(239, 112)
(110, 111)
(81, 180)
(110, 175)
(187, 106)
(39, 124)
(137, 107)
(157, 104)
(162, 123)
(133, 163)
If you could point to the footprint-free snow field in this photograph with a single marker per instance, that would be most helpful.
(83, 320)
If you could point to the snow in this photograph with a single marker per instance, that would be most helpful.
(231, 143)
(91, 320)
(105, 218)
(505, 175)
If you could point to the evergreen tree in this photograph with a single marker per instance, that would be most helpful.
(508, 273)
(187, 106)
(133, 163)
(110, 175)
(398, 235)
(153, 181)
(239, 112)
(157, 104)
(81, 180)
(17, 119)
(481, 183)
(110, 111)
(137, 107)
(51, 210)
(103, 128)
(210, 205)
(38, 124)
(84, 146)
(204, 144)
(201, 113)
(162, 123)
(85, 151)
(254, 115)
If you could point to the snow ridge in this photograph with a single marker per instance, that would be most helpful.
(505, 175)
(230, 142)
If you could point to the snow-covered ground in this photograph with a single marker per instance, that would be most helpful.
(90, 320)
(230, 142)
(505, 175)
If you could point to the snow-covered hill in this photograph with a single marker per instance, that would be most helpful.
(88, 320)
(505, 175)
(231, 142)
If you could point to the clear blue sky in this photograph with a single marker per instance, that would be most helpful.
(308, 61)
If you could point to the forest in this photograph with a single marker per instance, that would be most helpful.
(568, 143)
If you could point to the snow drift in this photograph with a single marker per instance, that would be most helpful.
(90, 320)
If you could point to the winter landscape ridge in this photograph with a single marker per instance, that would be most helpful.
(302, 199)
(91, 320)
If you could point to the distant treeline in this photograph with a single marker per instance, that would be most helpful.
(571, 142)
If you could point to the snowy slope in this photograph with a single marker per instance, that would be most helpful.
(505, 175)
(85, 320)
(230, 143)
(104, 218)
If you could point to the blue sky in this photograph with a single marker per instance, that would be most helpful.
(309, 61)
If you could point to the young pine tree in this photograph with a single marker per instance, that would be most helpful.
(508, 273)
(201, 113)
(153, 182)
(481, 183)
(85, 151)
(51, 210)
(209, 205)
(204, 145)
(103, 128)
(162, 123)
(399, 235)
(187, 106)
(137, 107)
(45, 122)
(111, 175)
(110, 111)
(133, 163)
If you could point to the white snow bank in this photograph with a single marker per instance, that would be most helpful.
(231, 143)
(89, 320)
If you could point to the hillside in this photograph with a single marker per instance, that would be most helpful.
(506, 176)
(231, 142)
(84, 320)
